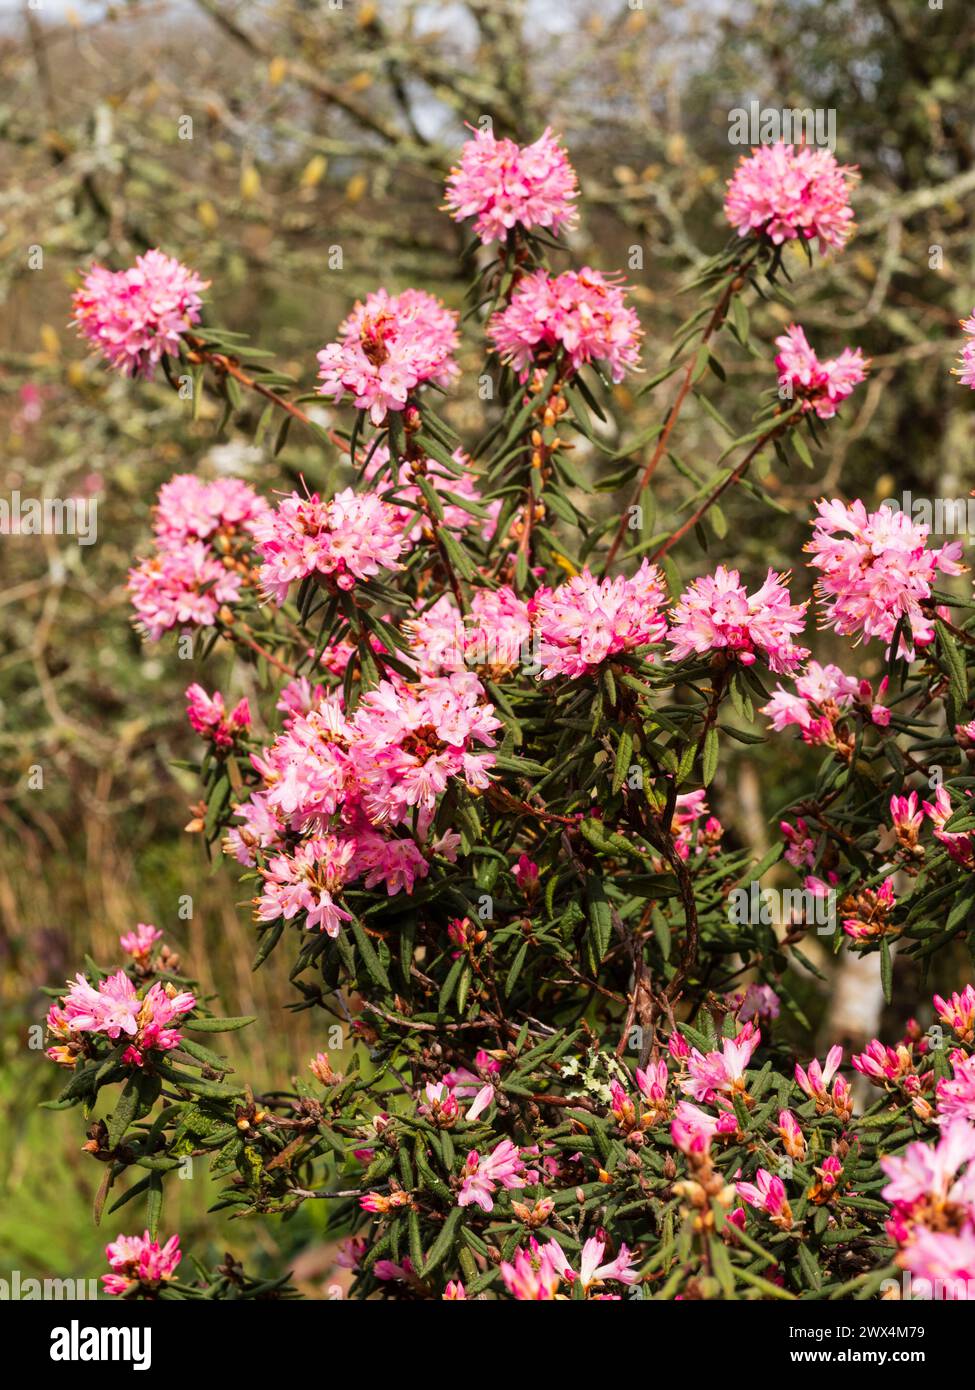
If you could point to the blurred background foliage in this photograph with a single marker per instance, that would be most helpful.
(294, 151)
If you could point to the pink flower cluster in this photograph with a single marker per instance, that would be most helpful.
(140, 1261)
(689, 836)
(387, 348)
(190, 508)
(932, 1222)
(442, 1098)
(823, 695)
(505, 185)
(335, 789)
(719, 1076)
(955, 1094)
(958, 1013)
(891, 1067)
(785, 192)
(497, 634)
(135, 316)
(814, 1081)
(581, 313)
(819, 386)
(208, 716)
(767, 1194)
(115, 1008)
(351, 537)
(139, 944)
(181, 586)
(195, 569)
(586, 620)
(717, 613)
(692, 1129)
(965, 372)
(535, 1274)
(875, 569)
(484, 1172)
(960, 844)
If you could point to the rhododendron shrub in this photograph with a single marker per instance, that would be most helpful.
(472, 797)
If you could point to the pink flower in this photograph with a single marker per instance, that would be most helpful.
(188, 508)
(958, 1013)
(714, 1073)
(115, 1008)
(531, 1276)
(441, 1104)
(653, 1081)
(692, 1129)
(959, 844)
(823, 696)
(790, 1132)
(350, 538)
(945, 1258)
(785, 192)
(934, 1174)
(389, 1270)
(956, 1095)
(800, 847)
(139, 943)
(504, 185)
(884, 1065)
(453, 1290)
(767, 1194)
(875, 570)
(591, 1270)
(830, 1171)
(586, 620)
(907, 818)
(387, 348)
(816, 1079)
(482, 1175)
(380, 1204)
(581, 313)
(716, 613)
(757, 1001)
(498, 630)
(819, 386)
(351, 1252)
(409, 741)
(135, 316)
(621, 1106)
(965, 372)
(182, 585)
(138, 1260)
(308, 881)
(208, 716)
(525, 874)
